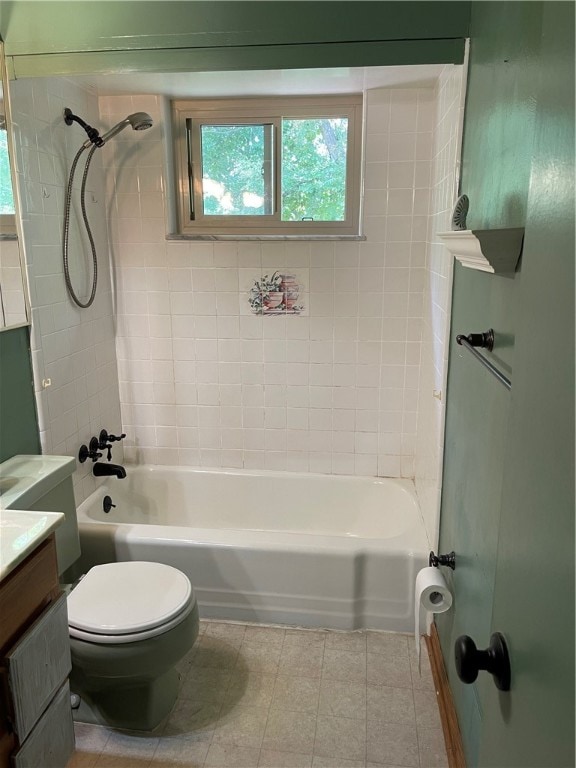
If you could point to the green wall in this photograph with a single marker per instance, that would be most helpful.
(49, 38)
(498, 158)
(18, 423)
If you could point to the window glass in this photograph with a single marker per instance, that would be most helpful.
(236, 170)
(6, 194)
(314, 169)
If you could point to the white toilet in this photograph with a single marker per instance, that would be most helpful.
(130, 624)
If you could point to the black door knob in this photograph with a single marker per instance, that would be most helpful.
(495, 659)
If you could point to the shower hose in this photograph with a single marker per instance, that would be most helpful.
(73, 296)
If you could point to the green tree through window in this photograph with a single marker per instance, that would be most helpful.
(6, 195)
(314, 169)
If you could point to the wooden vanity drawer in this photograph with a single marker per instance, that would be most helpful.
(26, 591)
(51, 743)
(37, 666)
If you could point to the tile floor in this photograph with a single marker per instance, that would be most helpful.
(269, 697)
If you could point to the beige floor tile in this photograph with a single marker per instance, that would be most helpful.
(340, 698)
(233, 634)
(301, 662)
(346, 641)
(432, 748)
(381, 765)
(125, 750)
(290, 731)
(184, 663)
(427, 712)
(319, 761)
(340, 737)
(113, 760)
(390, 705)
(390, 643)
(232, 756)
(304, 637)
(241, 726)
(215, 653)
(82, 759)
(270, 758)
(259, 658)
(296, 694)
(344, 665)
(179, 752)
(422, 679)
(250, 690)
(205, 684)
(196, 720)
(392, 744)
(393, 672)
(265, 697)
(271, 636)
(90, 741)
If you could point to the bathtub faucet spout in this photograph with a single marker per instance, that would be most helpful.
(106, 470)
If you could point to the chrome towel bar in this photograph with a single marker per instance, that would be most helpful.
(486, 341)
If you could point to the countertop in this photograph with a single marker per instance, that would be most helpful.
(21, 532)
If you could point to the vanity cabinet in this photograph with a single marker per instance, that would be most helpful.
(36, 728)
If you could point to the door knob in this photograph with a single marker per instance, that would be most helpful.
(495, 659)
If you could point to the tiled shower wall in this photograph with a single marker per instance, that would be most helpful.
(437, 297)
(203, 381)
(13, 309)
(73, 350)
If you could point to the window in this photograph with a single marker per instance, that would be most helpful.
(269, 166)
(7, 212)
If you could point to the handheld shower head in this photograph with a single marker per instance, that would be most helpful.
(139, 121)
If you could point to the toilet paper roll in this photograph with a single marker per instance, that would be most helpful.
(431, 594)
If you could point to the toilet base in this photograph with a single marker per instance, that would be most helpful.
(130, 685)
(140, 707)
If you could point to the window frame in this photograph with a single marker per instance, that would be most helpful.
(190, 115)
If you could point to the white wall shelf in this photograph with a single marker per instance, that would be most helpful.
(488, 250)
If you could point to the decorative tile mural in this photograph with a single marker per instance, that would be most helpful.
(276, 294)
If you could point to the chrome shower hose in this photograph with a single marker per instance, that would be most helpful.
(73, 296)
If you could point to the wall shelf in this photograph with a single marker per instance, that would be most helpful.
(488, 250)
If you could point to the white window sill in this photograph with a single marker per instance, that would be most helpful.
(266, 237)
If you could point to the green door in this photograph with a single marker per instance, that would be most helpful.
(533, 724)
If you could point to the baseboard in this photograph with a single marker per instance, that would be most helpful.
(452, 736)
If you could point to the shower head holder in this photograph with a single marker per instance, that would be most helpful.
(93, 135)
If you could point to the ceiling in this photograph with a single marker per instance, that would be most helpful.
(285, 82)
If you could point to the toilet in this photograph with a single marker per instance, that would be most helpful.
(130, 623)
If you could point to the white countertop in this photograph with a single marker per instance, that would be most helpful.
(21, 532)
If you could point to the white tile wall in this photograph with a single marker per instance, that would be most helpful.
(203, 381)
(73, 348)
(345, 388)
(447, 138)
(12, 300)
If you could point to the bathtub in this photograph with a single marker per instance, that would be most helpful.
(269, 547)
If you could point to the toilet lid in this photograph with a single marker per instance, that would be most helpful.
(124, 598)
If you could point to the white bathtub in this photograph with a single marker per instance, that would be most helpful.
(271, 547)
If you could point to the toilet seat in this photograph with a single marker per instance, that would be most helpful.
(128, 601)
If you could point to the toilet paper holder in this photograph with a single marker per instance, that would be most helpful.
(434, 561)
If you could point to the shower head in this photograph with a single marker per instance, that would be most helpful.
(139, 121)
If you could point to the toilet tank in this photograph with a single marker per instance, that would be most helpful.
(44, 484)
